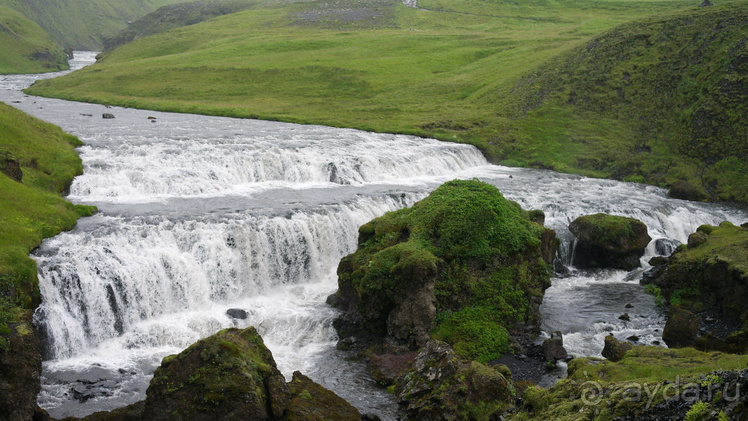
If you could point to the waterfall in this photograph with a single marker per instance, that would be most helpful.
(200, 215)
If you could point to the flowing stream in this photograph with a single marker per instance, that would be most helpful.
(200, 215)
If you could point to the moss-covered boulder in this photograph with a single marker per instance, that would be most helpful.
(465, 265)
(614, 350)
(682, 189)
(607, 241)
(711, 274)
(443, 386)
(230, 375)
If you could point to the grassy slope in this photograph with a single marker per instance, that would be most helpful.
(497, 75)
(82, 24)
(175, 16)
(25, 47)
(661, 99)
(31, 210)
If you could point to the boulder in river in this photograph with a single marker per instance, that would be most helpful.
(614, 349)
(465, 265)
(607, 241)
(107, 116)
(682, 189)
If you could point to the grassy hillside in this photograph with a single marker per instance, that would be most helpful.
(532, 84)
(25, 47)
(175, 16)
(82, 24)
(45, 161)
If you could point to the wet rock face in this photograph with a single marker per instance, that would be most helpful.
(443, 386)
(606, 241)
(20, 369)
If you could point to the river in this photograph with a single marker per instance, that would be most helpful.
(199, 215)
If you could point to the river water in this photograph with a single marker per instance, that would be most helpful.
(199, 215)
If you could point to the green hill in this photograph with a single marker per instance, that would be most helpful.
(175, 16)
(83, 24)
(37, 164)
(25, 47)
(572, 85)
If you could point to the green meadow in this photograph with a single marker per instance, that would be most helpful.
(650, 91)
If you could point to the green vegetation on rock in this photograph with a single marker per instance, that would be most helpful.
(25, 47)
(551, 85)
(464, 265)
(37, 164)
(649, 382)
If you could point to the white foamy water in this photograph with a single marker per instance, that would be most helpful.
(200, 215)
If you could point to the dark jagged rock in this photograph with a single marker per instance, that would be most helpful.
(681, 328)
(684, 190)
(553, 348)
(625, 317)
(464, 265)
(387, 368)
(614, 350)
(443, 386)
(20, 372)
(312, 402)
(237, 313)
(107, 116)
(606, 241)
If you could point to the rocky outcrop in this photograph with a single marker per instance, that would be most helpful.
(20, 370)
(710, 273)
(553, 348)
(607, 241)
(614, 350)
(387, 368)
(464, 265)
(230, 375)
(443, 386)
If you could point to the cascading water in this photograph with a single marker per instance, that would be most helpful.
(200, 215)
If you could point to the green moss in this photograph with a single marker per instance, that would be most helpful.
(476, 333)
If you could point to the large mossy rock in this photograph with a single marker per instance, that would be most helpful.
(711, 272)
(607, 241)
(312, 402)
(230, 375)
(443, 386)
(463, 265)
